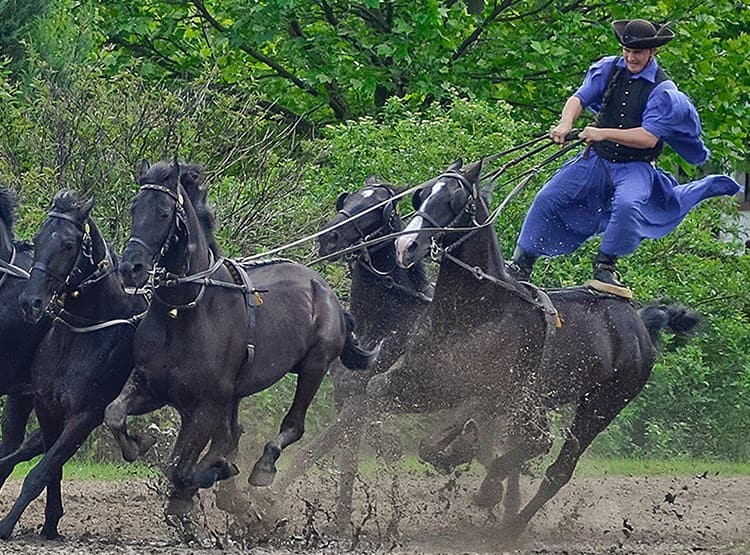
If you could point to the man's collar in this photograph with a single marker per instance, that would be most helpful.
(648, 73)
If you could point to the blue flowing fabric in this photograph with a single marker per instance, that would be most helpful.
(584, 197)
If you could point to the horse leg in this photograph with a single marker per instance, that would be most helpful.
(48, 472)
(227, 495)
(216, 464)
(53, 508)
(337, 433)
(30, 448)
(353, 421)
(593, 414)
(14, 448)
(132, 400)
(311, 372)
(195, 432)
(527, 440)
(16, 411)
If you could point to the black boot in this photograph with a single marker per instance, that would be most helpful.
(605, 269)
(522, 265)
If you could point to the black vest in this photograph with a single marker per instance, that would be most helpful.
(622, 108)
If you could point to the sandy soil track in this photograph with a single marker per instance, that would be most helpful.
(432, 514)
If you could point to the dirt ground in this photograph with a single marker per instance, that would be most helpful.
(431, 514)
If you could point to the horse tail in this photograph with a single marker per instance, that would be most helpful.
(353, 356)
(676, 318)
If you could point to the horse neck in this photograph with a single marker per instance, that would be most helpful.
(99, 297)
(480, 250)
(6, 242)
(191, 254)
(380, 308)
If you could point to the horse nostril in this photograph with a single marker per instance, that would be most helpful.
(137, 269)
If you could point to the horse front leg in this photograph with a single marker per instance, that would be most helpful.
(134, 399)
(48, 473)
(217, 463)
(196, 430)
(309, 378)
(15, 448)
(16, 411)
(30, 448)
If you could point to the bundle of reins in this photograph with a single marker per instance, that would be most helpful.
(487, 180)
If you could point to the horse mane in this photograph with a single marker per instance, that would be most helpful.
(157, 173)
(66, 200)
(192, 179)
(8, 205)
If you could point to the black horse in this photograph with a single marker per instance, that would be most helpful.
(217, 332)
(83, 361)
(384, 299)
(488, 339)
(18, 340)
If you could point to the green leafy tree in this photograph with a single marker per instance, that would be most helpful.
(333, 59)
(17, 18)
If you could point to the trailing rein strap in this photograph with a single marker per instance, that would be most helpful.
(10, 269)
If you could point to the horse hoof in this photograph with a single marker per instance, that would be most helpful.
(179, 506)
(226, 470)
(261, 477)
(51, 534)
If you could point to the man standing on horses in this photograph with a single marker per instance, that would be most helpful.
(614, 188)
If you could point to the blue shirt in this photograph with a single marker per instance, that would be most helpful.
(669, 114)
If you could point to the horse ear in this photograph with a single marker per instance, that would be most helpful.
(372, 179)
(473, 171)
(143, 168)
(416, 199)
(341, 199)
(88, 205)
(174, 172)
(456, 165)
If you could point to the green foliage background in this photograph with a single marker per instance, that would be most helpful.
(287, 110)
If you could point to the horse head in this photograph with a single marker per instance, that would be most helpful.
(63, 253)
(160, 213)
(363, 220)
(450, 201)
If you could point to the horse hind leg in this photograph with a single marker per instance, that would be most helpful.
(593, 414)
(309, 377)
(530, 440)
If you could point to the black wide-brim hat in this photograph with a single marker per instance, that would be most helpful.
(639, 33)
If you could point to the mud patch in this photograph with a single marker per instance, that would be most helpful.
(404, 514)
